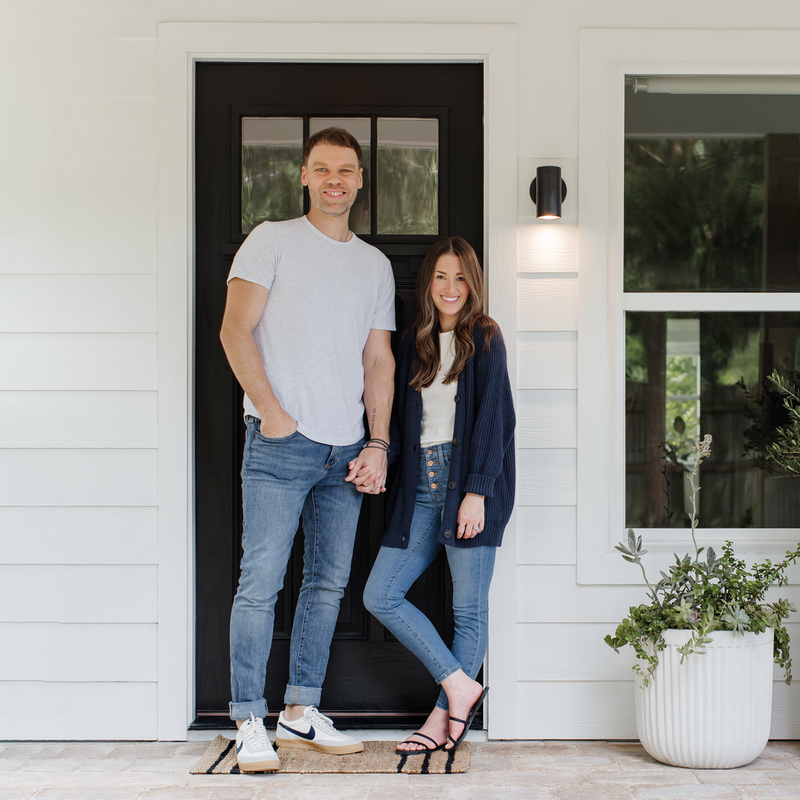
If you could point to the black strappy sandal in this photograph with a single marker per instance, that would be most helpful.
(423, 751)
(467, 722)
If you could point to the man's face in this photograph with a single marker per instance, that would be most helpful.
(333, 178)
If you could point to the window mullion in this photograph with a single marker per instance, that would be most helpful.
(711, 301)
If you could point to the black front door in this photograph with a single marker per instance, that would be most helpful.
(421, 129)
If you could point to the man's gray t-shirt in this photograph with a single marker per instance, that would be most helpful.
(324, 298)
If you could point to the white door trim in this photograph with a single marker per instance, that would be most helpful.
(606, 56)
(180, 45)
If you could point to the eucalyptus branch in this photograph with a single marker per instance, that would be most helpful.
(784, 450)
(703, 450)
(784, 386)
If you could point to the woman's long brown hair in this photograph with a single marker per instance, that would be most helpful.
(427, 327)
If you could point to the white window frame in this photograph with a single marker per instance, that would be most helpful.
(606, 57)
(180, 45)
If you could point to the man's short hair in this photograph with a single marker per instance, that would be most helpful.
(335, 136)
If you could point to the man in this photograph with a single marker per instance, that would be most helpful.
(307, 325)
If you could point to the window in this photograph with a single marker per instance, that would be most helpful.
(402, 153)
(732, 306)
(712, 205)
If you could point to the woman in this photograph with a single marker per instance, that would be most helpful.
(453, 434)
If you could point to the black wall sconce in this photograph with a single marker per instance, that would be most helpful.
(548, 192)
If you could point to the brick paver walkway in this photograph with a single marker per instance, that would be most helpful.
(499, 771)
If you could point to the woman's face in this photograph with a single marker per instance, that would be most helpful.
(449, 290)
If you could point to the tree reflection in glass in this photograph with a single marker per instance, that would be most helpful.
(272, 156)
(693, 215)
(695, 373)
(408, 176)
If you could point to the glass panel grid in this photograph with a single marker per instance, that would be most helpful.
(405, 194)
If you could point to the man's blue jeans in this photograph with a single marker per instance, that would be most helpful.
(395, 570)
(283, 479)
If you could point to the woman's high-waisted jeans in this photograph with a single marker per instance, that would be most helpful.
(395, 570)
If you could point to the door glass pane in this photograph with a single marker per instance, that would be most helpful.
(360, 128)
(712, 193)
(408, 176)
(689, 374)
(272, 155)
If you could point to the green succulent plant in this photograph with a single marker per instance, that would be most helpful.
(705, 593)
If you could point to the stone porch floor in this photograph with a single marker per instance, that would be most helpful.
(500, 771)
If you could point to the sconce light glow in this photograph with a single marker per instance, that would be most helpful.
(548, 191)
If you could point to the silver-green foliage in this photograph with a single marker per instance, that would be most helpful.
(785, 450)
(704, 593)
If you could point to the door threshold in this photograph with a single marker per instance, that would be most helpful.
(371, 735)
(346, 720)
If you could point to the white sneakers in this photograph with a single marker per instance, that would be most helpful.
(314, 731)
(253, 749)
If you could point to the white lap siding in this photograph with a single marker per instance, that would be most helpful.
(78, 384)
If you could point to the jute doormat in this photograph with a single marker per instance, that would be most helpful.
(220, 758)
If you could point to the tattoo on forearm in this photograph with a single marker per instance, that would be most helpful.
(372, 424)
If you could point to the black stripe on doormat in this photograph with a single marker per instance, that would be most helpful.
(426, 763)
(451, 757)
(401, 763)
(210, 770)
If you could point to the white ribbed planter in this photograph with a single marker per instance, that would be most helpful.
(714, 710)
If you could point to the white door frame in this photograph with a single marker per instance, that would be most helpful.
(180, 45)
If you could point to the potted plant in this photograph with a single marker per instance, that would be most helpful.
(705, 642)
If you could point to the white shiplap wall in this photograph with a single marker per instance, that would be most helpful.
(78, 371)
(78, 437)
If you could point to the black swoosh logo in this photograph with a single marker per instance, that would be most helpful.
(310, 735)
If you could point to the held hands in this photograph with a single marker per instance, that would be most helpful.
(368, 471)
(470, 516)
(277, 425)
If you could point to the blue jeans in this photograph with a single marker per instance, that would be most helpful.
(395, 570)
(283, 479)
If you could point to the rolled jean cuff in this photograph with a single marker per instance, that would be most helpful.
(302, 696)
(449, 672)
(242, 711)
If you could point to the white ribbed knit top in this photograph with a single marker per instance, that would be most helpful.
(438, 408)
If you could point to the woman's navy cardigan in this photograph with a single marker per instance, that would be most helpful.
(482, 460)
